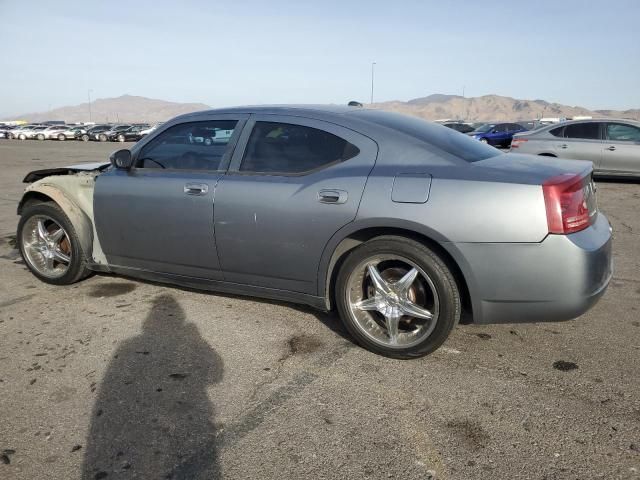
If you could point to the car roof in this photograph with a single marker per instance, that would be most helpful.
(283, 109)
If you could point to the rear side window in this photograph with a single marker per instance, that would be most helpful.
(443, 138)
(189, 146)
(293, 149)
(619, 132)
(588, 131)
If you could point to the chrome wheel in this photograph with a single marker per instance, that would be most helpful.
(46, 246)
(392, 301)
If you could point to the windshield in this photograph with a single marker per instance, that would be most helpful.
(485, 128)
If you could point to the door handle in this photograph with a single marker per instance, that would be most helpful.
(196, 188)
(332, 196)
(564, 145)
(611, 148)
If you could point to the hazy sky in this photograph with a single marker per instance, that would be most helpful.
(246, 52)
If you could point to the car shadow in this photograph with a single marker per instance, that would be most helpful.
(330, 319)
(152, 417)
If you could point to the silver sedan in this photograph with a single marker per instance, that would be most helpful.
(613, 146)
(402, 226)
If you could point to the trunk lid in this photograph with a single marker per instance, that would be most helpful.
(532, 169)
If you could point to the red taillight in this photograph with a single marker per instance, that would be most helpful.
(570, 203)
(515, 143)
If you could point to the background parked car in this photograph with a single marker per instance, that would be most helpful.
(50, 132)
(612, 145)
(131, 134)
(72, 132)
(22, 131)
(150, 129)
(93, 132)
(459, 126)
(5, 130)
(32, 132)
(497, 134)
(112, 132)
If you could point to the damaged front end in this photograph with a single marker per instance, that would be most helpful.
(71, 188)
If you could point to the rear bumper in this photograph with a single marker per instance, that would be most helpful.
(557, 279)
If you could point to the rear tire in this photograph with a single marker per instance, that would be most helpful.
(22, 136)
(61, 273)
(102, 137)
(433, 290)
(484, 140)
(85, 138)
(121, 138)
(61, 138)
(40, 136)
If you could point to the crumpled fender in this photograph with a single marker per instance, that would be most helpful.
(74, 195)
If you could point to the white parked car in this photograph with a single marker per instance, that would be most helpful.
(71, 132)
(50, 132)
(147, 131)
(22, 132)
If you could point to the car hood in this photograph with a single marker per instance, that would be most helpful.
(47, 172)
(531, 169)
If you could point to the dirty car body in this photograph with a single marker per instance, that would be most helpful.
(403, 225)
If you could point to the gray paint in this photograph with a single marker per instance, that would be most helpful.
(273, 236)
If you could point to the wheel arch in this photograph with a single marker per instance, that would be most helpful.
(547, 154)
(81, 223)
(340, 247)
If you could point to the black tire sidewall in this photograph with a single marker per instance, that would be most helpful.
(433, 266)
(77, 269)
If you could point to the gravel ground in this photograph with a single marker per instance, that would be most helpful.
(114, 378)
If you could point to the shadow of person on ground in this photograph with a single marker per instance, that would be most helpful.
(152, 418)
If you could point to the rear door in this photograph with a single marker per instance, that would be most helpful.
(621, 148)
(582, 141)
(293, 183)
(158, 216)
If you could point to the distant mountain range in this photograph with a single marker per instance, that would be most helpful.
(493, 107)
(128, 108)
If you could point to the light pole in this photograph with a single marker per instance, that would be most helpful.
(89, 98)
(373, 64)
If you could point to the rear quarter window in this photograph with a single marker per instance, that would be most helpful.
(445, 139)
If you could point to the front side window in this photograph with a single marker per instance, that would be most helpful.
(293, 149)
(189, 146)
(619, 132)
(588, 131)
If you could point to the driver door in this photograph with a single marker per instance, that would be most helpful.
(158, 215)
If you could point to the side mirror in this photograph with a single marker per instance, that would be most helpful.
(121, 159)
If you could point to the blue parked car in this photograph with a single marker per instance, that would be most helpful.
(497, 134)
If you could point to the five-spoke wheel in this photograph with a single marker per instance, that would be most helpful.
(46, 246)
(397, 297)
(49, 244)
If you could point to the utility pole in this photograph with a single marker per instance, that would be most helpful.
(89, 98)
(373, 64)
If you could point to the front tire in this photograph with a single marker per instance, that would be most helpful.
(397, 297)
(484, 140)
(102, 137)
(22, 136)
(85, 138)
(40, 136)
(121, 138)
(61, 138)
(50, 246)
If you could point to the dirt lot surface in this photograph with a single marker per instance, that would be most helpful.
(114, 378)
